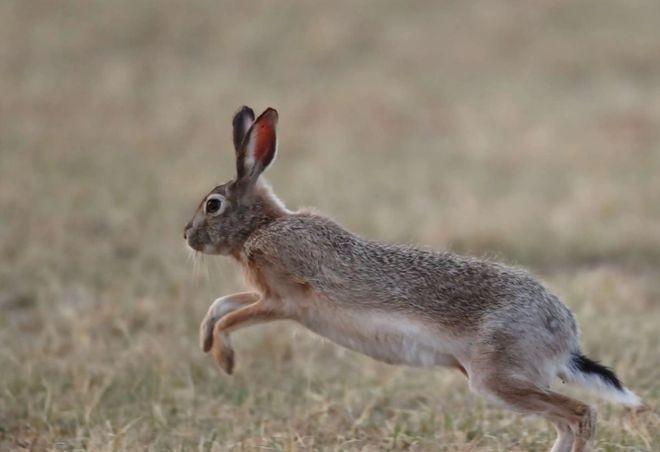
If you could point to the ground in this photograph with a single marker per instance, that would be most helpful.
(523, 132)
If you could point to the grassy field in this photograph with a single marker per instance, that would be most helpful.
(528, 132)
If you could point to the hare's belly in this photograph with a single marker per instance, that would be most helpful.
(392, 338)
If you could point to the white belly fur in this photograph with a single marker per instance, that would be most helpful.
(392, 338)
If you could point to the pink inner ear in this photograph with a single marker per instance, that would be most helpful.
(265, 139)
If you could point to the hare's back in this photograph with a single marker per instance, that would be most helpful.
(348, 269)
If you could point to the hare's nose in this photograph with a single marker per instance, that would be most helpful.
(186, 229)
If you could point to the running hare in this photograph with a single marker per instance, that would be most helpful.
(502, 329)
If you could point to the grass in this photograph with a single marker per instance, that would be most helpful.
(528, 132)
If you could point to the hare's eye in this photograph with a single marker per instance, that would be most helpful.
(213, 204)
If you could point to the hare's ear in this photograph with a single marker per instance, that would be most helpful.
(258, 148)
(242, 121)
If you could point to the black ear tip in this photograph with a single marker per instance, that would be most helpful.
(243, 112)
(271, 113)
(242, 121)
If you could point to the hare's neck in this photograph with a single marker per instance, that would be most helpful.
(274, 205)
(264, 211)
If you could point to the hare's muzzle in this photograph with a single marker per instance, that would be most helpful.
(186, 230)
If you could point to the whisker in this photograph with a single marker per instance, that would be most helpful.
(190, 252)
(206, 269)
(196, 259)
(193, 256)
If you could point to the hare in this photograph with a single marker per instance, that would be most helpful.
(497, 325)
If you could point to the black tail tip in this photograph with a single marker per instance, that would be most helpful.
(589, 366)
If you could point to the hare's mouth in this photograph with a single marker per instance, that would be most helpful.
(195, 244)
(193, 247)
(210, 249)
(198, 246)
(198, 240)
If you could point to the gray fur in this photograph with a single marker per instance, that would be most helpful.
(400, 304)
(454, 291)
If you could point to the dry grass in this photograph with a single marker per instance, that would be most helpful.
(528, 131)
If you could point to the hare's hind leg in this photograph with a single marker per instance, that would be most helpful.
(565, 437)
(574, 420)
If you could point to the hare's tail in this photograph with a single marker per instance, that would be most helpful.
(597, 378)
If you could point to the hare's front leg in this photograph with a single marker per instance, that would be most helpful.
(218, 309)
(261, 311)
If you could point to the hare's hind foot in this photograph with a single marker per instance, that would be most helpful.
(574, 421)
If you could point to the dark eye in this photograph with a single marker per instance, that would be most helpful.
(213, 205)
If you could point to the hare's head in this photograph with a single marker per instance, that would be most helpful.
(230, 212)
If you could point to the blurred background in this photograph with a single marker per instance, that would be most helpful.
(527, 132)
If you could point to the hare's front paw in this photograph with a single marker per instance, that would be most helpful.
(224, 356)
(206, 331)
(220, 346)
(218, 309)
(219, 342)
